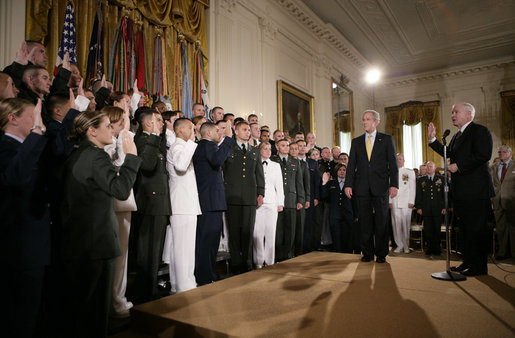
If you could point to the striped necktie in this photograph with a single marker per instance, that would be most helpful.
(369, 146)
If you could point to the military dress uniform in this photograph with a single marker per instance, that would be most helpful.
(430, 199)
(301, 214)
(244, 181)
(293, 187)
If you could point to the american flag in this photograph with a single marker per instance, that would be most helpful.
(67, 37)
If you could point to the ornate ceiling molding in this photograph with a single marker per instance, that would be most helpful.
(268, 27)
(406, 81)
(323, 31)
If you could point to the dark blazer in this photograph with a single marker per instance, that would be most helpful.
(293, 184)
(376, 176)
(25, 225)
(340, 207)
(471, 153)
(243, 176)
(90, 226)
(207, 161)
(151, 188)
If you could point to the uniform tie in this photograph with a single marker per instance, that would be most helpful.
(243, 147)
(265, 162)
(284, 161)
(369, 146)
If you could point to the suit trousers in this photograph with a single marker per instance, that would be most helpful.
(505, 229)
(88, 294)
(21, 292)
(184, 230)
(472, 216)
(150, 240)
(373, 212)
(401, 222)
(285, 234)
(308, 225)
(120, 303)
(240, 225)
(299, 232)
(341, 234)
(432, 232)
(264, 234)
(316, 226)
(209, 229)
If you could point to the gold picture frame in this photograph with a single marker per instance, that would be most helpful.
(296, 109)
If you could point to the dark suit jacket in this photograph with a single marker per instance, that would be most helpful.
(90, 226)
(340, 207)
(376, 176)
(207, 161)
(293, 184)
(25, 225)
(243, 176)
(315, 180)
(151, 188)
(471, 153)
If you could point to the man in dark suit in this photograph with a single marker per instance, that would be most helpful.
(429, 203)
(244, 191)
(313, 197)
(294, 200)
(153, 201)
(208, 160)
(372, 176)
(471, 185)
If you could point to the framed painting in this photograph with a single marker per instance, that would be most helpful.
(296, 110)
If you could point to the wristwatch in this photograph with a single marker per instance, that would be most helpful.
(43, 129)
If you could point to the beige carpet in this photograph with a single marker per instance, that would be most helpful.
(325, 294)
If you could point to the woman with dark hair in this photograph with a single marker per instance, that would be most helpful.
(25, 225)
(90, 229)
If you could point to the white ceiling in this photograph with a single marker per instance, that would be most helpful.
(403, 37)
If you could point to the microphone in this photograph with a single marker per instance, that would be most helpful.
(446, 133)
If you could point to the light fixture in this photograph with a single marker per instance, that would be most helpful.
(373, 76)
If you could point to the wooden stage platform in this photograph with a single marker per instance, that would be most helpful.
(324, 294)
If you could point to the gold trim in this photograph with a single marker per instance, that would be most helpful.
(292, 90)
(341, 83)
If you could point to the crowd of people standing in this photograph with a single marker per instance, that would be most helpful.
(94, 182)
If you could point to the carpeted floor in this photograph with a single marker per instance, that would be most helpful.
(324, 294)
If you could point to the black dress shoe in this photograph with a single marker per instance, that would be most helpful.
(459, 268)
(381, 260)
(366, 259)
(474, 272)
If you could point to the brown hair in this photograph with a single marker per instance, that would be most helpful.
(114, 114)
(116, 96)
(82, 122)
(12, 106)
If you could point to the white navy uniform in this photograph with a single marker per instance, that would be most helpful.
(401, 212)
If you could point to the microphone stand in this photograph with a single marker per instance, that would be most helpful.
(448, 274)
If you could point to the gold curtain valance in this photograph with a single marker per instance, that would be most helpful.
(508, 118)
(412, 113)
(164, 17)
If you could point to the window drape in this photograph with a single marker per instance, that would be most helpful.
(412, 113)
(44, 21)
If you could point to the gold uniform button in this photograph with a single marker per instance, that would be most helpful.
(243, 163)
(153, 192)
(243, 169)
(243, 176)
(244, 157)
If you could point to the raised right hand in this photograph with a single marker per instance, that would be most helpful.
(129, 147)
(325, 177)
(431, 131)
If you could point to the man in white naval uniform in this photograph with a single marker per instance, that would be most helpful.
(185, 206)
(401, 206)
(266, 214)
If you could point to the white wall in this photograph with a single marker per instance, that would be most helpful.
(12, 29)
(252, 44)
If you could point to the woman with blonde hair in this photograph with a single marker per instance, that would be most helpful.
(90, 241)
